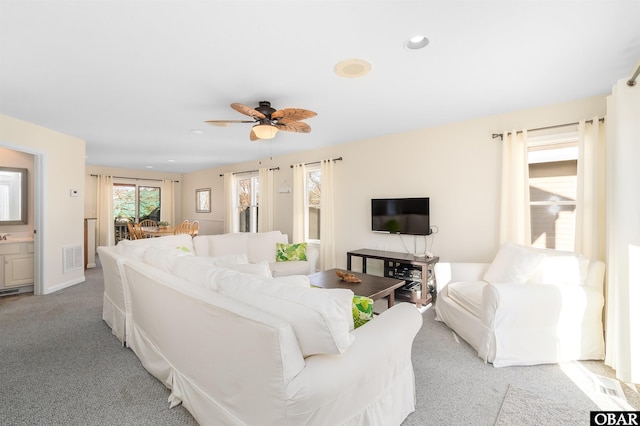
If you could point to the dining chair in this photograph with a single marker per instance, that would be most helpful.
(148, 223)
(137, 228)
(196, 227)
(132, 231)
(185, 227)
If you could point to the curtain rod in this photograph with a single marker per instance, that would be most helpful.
(132, 178)
(632, 80)
(250, 171)
(318, 162)
(499, 135)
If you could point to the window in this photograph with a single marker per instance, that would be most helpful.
(247, 189)
(312, 202)
(553, 169)
(133, 203)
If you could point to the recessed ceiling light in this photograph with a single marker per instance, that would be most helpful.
(352, 68)
(416, 43)
(171, 161)
(197, 131)
(149, 167)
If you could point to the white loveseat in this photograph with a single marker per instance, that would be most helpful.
(247, 348)
(529, 306)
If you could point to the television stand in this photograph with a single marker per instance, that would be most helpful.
(404, 266)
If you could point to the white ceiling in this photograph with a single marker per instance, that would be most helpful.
(134, 77)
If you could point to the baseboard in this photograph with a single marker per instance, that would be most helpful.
(64, 285)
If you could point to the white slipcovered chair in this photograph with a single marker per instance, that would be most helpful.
(529, 306)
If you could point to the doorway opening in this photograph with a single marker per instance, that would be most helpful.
(24, 252)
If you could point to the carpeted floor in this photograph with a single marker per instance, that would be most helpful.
(60, 365)
(521, 407)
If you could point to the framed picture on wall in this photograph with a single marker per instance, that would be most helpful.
(203, 200)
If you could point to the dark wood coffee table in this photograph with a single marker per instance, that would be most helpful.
(371, 286)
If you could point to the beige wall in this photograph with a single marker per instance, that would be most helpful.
(456, 165)
(210, 223)
(61, 160)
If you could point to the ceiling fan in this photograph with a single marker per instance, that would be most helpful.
(269, 120)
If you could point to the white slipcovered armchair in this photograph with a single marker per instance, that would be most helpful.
(529, 306)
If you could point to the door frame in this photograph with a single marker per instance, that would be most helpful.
(39, 207)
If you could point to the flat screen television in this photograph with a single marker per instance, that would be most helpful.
(400, 215)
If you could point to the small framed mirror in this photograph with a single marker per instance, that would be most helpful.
(13, 196)
(203, 200)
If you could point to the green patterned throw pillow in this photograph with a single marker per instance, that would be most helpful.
(291, 252)
(362, 308)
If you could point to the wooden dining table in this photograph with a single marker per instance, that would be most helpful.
(157, 231)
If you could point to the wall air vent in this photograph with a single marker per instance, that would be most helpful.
(72, 258)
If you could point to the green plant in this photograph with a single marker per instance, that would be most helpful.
(393, 226)
(163, 223)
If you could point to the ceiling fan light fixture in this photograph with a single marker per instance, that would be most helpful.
(416, 43)
(265, 131)
(267, 120)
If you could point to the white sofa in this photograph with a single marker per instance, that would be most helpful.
(257, 248)
(529, 306)
(111, 259)
(241, 348)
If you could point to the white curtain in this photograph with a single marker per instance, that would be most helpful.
(265, 208)
(105, 222)
(623, 232)
(167, 203)
(515, 217)
(230, 216)
(299, 182)
(327, 234)
(590, 197)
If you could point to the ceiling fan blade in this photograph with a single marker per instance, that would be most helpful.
(296, 126)
(252, 136)
(289, 115)
(225, 123)
(243, 109)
